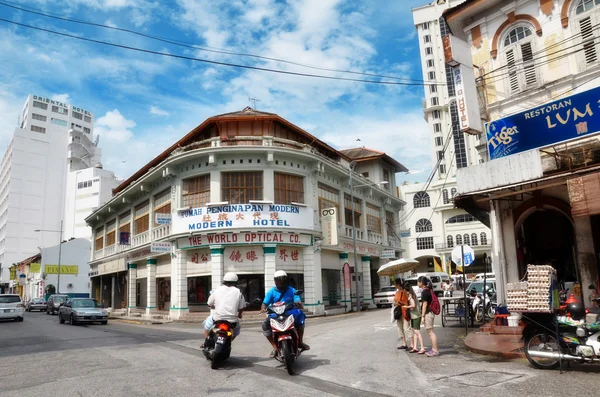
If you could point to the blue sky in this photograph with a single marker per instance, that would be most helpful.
(143, 102)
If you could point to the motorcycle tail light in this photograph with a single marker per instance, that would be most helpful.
(229, 333)
(223, 327)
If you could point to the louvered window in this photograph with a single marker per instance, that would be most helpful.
(520, 60)
(587, 38)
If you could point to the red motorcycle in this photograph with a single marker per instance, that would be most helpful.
(285, 334)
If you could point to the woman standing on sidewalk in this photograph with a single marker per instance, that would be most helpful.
(427, 316)
(404, 330)
(415, 319)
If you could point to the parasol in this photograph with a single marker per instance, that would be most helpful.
(398, 266)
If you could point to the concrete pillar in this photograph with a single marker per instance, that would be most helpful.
(269, 185)
(113, 285)
(269, 251)
(346, 290)
(313, 281)
(179, 293)
(586, 261)
(498, 260)
(366, 288)
(510, 246)
(150, 286)
(215, 186)
(217, 264)
(131, 288)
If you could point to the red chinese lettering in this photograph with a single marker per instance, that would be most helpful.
(194, 258)
(294, 255)
(275, 215)
(206, 218)
(239, 216)
(251, 256)
(223, 216)
(236, 256)
(256, 215)
(204, 258)
(283, 255)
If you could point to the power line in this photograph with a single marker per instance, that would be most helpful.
(207, 49)
(126, 47)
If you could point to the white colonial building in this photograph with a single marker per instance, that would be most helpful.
(243, 192)
(432, 226)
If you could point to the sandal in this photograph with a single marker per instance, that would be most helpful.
(273, 354)
(401, 347)
(422, 351)
(413, 350)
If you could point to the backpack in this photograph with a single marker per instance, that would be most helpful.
(435, 303)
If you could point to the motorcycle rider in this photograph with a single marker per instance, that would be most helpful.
(227, 303)
(282, 292)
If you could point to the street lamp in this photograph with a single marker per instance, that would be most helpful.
(59, 250)
(351, 169)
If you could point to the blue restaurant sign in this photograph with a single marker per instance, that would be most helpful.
(551, 123)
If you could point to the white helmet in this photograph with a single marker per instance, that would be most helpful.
(279, 273)
(230, 277)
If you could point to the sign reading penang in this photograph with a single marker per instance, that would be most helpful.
(242, 216)
(554, 122)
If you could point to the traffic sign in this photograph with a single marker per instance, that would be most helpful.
(463, 255)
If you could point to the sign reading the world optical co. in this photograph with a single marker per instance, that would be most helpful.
(242, 216)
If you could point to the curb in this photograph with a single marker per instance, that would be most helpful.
(510, 355)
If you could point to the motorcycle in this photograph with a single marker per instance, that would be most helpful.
(285, 334)
(550, 338)
(217, 347)
(485, 305)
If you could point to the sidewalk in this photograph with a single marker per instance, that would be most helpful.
(504, 342)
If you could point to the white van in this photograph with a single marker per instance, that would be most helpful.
(437, 278)
(489, 276)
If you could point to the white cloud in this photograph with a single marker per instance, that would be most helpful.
(155, 110)
(64, 98)
(114, 127)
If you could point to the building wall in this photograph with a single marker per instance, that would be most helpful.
(74, 252)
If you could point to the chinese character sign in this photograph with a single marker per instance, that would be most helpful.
(244, 258)
(289, 258)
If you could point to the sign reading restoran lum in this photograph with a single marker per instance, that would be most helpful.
(244, 238)
(242, 216)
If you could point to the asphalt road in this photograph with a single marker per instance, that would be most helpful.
(351, 355)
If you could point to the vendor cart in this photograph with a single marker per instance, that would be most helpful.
(454, 309)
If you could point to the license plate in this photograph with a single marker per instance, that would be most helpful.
(220, 340)
(8, 310)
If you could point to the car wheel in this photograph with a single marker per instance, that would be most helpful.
(72, 320)
(61, 319)
(379, 306)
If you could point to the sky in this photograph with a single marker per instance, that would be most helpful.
(145, 102)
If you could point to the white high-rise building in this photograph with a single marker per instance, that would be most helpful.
(432, 225)
(52, 149)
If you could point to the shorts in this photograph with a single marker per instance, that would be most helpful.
(429, 320)
(415, 323)
(208, 324)
(299, 319)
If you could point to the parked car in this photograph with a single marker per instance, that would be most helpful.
(478, 286)
(82, 310)
(488, 276)
(437, 278)
(54, 302)
(385, 296)
(11, 307)
(36, 304)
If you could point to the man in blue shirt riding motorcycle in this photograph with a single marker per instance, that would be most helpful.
(282, 292)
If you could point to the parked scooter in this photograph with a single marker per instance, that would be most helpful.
(217, 347)
(550, 338)
(285, 333)
(484, 303)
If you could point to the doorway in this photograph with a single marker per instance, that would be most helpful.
(252, 287)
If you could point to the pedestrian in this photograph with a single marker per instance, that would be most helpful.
(415, 319)
(447, 288)
(404, 330)
(427, 315)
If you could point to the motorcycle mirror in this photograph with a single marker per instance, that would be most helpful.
(592, 286)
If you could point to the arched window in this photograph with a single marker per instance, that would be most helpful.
(518, 53)
(421, 200)
(453, 192)
(587, 26)
(466, 239)
(462, 218)
(474, 239)
(423, 225)
(483, 238)
(445, 196)
(458, 239)
(450, 241)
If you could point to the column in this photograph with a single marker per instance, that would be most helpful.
(313, 281)
(367, 293)
(150, 286)
(269, 250)
(346, 290)
(586, 262)
(131, 288)
(268, 184)
(113, 285)
(498, 260)
(217, 263)
(179, 296)
(215, 186)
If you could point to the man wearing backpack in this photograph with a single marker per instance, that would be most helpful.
(430, 307)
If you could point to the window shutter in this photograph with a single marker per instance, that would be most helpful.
(587, 38)
(528, 65)
(513, 78)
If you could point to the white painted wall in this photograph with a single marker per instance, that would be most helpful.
(74, 252)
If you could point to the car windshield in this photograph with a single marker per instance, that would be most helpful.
(86, 303)
(38, 300)
(479, 287)
(387, 289)
(59, 299)
(10, 299)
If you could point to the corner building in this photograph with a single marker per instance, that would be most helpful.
(243, 192)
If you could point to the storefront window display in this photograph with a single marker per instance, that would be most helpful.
(163, 287)
(198, 290)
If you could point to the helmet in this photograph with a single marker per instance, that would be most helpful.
(279, 273)
(230, 277)
(576, 310)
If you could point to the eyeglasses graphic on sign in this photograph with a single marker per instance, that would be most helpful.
(330, 211)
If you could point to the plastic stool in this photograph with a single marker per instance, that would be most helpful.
(501, 319)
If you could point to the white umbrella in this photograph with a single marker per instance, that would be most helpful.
(398, 266)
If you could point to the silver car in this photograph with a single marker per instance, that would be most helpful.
(37, 304)
(11, 307)
(82, 310)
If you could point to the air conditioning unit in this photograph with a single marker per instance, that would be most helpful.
(70, 285)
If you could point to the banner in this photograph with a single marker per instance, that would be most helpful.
(552, 123)
(436, 266)
(329, 226)
(245, 216)
(64, 269)
(13, 273)
(35, 268)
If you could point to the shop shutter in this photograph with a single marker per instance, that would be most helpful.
(513, 78)
(587, 38)
(528, 65)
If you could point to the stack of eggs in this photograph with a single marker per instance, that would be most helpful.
(516, 296)
(539, 281)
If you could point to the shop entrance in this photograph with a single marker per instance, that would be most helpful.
(252, 287)
(547, 237)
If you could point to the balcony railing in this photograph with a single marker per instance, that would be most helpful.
(140, 239)
(161, 232)
(360, 235)
(99, 253)
(375, 238)
(111, 249)
(446, 246)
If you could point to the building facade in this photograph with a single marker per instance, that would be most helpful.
(54, 139)
(538, 78)
(432, 225)
(244, 192)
